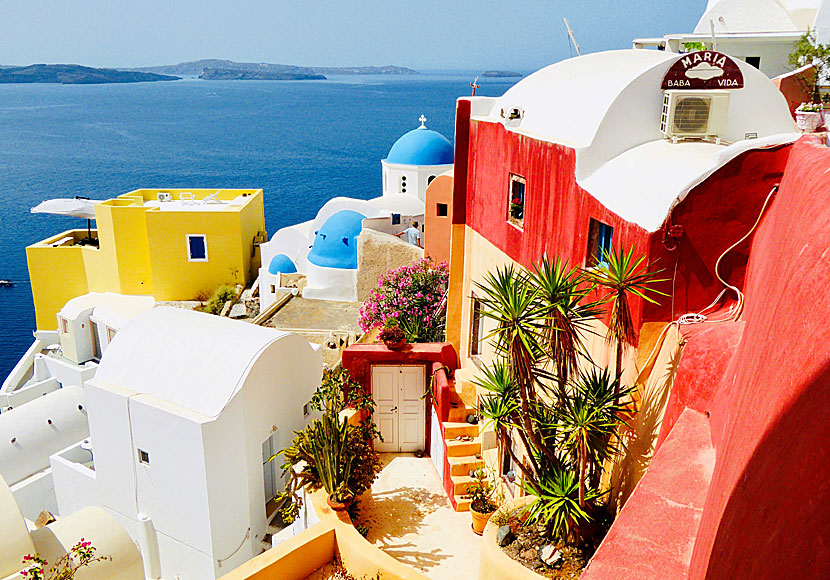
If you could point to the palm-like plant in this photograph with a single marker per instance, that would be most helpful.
(562, 294)
(558, 506)
(586, 421)
(623, 275)
(512, 302)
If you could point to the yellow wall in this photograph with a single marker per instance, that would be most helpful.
(143, 250)
(57, 275)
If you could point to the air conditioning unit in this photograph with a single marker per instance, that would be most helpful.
(164, 196)
(694, 114)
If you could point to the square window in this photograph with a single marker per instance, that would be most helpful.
(64, 325)
(396, 219)
(599, 242)
(143, 457)
(197, 248)
(516, 200)
(476, 328)
(754, 61)
(441, 209)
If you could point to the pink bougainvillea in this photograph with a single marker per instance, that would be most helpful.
(413, 296)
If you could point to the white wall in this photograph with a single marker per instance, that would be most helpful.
(337, 284)
(417, 178)
(67, 373)
(75, 484)
(35, 494)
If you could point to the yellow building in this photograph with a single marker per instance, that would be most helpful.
(171, 244)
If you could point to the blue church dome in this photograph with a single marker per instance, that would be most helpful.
(335, 244)
(421, 146)
(281, 264)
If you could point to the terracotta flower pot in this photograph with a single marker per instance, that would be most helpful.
(339, 506)
(480, 520)
(395, 345)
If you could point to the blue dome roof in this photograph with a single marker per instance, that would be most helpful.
(421, 146)
(281, 264)
(335, 244)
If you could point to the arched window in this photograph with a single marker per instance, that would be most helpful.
(429, 180)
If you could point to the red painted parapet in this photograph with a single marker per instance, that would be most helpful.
(359, 358)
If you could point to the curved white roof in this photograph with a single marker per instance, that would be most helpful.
(566, 101)
(16, 541)
(195, 360)
(759, 16)
(115, 310)
(606, 106)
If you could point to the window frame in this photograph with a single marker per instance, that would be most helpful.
(476, 347)
(600, 237)
(512, 179)
(190, 257)
(143, 456)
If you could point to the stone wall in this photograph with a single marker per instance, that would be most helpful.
(376, 254)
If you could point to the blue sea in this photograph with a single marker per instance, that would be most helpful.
(301, 142)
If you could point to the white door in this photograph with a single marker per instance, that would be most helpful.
(270, 467)
(399, 407)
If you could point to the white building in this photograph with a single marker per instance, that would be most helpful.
(184, 411)
(69, 355)
(325, 249)
(760, 32)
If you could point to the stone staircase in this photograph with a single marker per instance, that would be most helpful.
(462, 452)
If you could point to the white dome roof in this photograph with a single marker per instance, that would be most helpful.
(759, 15)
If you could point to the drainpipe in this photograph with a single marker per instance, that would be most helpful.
(148, 540)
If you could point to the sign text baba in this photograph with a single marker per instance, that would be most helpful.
(704, 70)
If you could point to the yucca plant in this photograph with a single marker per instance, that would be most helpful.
(623, 276)
(557, 504)
(562, 293)
(586, 422)
(512, 302)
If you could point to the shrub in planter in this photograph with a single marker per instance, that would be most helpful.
(482, 492)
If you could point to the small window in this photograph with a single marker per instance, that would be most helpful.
(110, 334)
(476, 328)
(396, 219)
(441, 209)
(599, 242)
(143, 457)
(516, 200)
(403, 184)
(64, 325)
(273, 288)
(430, 178)
(306, 410)
(197, 248)
(754, 61)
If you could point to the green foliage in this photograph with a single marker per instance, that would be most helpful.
(482, 492)
(535, 393)
(217, 301)
(693, 46)
(809, 51)
(330, 452)
(557, 505)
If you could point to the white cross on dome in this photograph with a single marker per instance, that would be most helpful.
(423, 120)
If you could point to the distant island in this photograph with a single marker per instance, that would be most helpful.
(74, 74)
(500, 74)
(197, 68)
(224, 74)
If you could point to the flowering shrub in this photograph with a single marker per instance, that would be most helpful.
(66, 567)
(412, 295)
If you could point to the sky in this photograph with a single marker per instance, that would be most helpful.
(520, 35)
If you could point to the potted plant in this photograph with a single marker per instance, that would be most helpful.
(812, 60)
(392, 335)
(808, 116)
(483, 505)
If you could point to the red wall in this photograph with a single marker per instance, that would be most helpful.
(557, 211)
(767, 514)
(714, 215)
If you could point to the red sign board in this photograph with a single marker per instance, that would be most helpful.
(704, 70)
